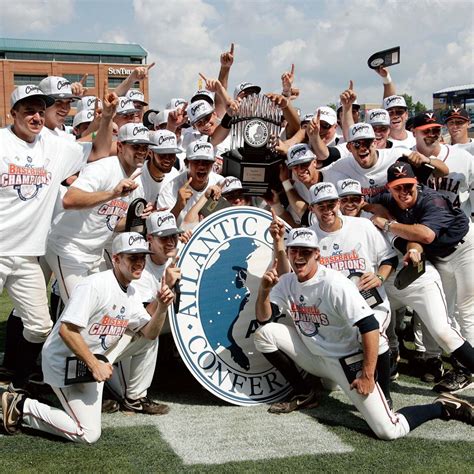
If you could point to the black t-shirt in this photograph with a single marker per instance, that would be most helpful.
(435, 211)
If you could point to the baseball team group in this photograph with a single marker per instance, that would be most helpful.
(367, 201)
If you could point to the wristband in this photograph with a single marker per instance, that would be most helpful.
(278, 208)
(287, 186)
(387, 80)
(386, 226)
(226, 121)
(381, 278)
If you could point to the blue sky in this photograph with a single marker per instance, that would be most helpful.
(328, 41)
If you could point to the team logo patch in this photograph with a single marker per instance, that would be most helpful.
(214, 327)
(256, 133)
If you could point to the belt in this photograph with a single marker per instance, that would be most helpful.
(451, 250)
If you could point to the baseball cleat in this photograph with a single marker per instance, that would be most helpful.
(110, 406)
(433, 370)
(456, 409)
(11, 413)
(144, 405)
(297, 402)
(453, 381)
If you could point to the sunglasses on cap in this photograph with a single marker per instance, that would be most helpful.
(351, 199)
(396, 111)
(367, 142)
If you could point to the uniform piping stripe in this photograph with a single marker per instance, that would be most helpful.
(62, 277)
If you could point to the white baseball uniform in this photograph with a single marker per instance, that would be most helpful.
(324, 310)
(151, 187)
(408, 142)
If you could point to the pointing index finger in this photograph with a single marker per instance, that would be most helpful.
(275, 263)
(292, 69)
(351, 85)
(231, 48)
(188, 182)
(83, 79)
(150, 65)
(203, 77)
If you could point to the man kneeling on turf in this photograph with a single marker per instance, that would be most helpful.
(103, 308)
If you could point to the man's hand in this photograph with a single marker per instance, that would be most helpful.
(277, 228)
(270, 277)
(109, 103)
(287, 79)
(227, 58)
(185, 193)
(348, 97)
(102, 371)
(172, 272)
(124, 187)
(314, 125)
(140, 73)
(184, 237)
(213, 192)
(165, 296)
(365, 384)
(417, 159)
(177, 117)
(149, 208)
(77, 88)
(279, 100)
(381, 71)
(368, 281)
(413, 256)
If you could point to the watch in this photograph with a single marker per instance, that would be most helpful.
(386, 226)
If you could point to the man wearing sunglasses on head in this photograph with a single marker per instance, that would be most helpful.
(427, 217)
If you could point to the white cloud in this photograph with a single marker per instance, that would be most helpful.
(21, 16)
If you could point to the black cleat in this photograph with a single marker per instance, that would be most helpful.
(456, 409)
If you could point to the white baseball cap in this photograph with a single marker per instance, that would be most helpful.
(378, 117)
(348, 187)
(327, 114)
(82, 117)
(199, 150)
(231, 184)
(130, 242)
(175, 102)
(302, 237)
(199, 109)
(307, 118)
(125, 106)
(322, 192)
(354, 104)
(137, 96)
(27, 91)
(359, 131)
(204, 94)
(87, 103)
(162, 224)
(160, 118)
(163, 142)
(298, 154)
(394, 101)
(246, 87)
(57, 87)
(134, 134)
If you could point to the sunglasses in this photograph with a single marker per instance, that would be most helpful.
(406, 188)
(352, 199)
(366, 142)
(396, 112)
(325, 125)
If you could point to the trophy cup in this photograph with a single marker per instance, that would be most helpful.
(250, 158)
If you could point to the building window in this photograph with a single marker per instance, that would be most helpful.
(120, 59)
(90, 81)
(27, 56)
(25, 79)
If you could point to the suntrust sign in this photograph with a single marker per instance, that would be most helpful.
(214, 328)
(119, 71)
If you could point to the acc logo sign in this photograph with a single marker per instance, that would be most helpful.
(222, 265)
(256, 133)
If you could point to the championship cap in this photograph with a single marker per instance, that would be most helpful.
(327, 114)
(457, 113)
(87, 103)
(355, 105)
(298, 154)
(148, 118)
(348, 187)
(394, 101)
(425, 120)
(163, 142)
(134, 134)
(322, 192)
(175, 102)
(82, 117)
(302, 237)
(247, 87)
(231, 184)
(199, 150)
(306, 118)
(400, 173)
(30, 90)
(199, 109)
(162, 224)
(129, 242)
(378, 117)
(57, 87)
(360, 131)
(137, 96)
(126, 106)
(160, 118)
(203, 94)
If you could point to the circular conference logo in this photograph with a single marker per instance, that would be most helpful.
(256, 133)
(222, 265)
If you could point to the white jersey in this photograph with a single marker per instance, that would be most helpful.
(149, 283)
(85, 147)
(151, 187)
(469, 146)
(324, 310)
(169, 193)
(30, 176)
(408, 142)
(103, 311)
(372, 180)
(82, 234)
(457, 185)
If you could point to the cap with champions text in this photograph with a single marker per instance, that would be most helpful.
(130, 242)
(306, 118)
(204, 94)
(199, 109)
(84, 116)
(137, 96)
(175, 102)
(394, 101)
(164, 142)
(246, 87)
(199, 150)
(87, 103)
(378, 117)
(348, 187)
(231, 184)
(299, 154)
(162, 224)
(322, 192)
(25, 92)
(134, 134)
(58, 88)
(361, 131)
(400, 173)
(302, 237)
(126, 106)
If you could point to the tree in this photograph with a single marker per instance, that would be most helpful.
(414, 108)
